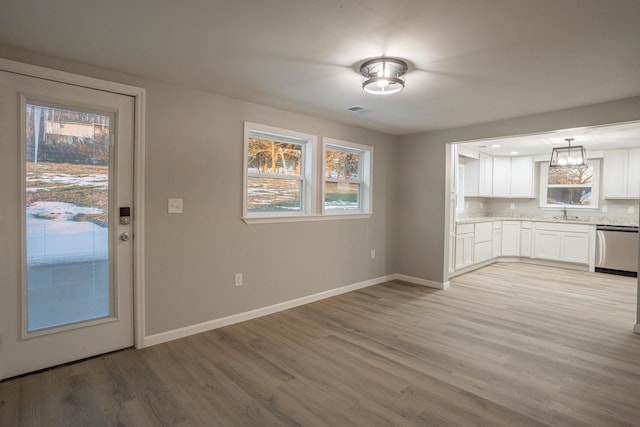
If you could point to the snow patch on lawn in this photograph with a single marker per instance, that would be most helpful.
(99, 180)
(59, 210)
(53, 236)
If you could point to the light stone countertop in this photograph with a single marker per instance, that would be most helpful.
(576, 220)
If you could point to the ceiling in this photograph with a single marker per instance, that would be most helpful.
(472, 61)
(594, 138)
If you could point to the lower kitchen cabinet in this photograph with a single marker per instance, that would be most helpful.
(546, 244)
(483, 238)
(510, 238)
(496, 239)
(464, 250)
(562, 242)
(574, 247)
(553, 241)
(481, 252)
(526, 239)
(465, 245)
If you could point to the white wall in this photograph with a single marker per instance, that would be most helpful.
(194, 152)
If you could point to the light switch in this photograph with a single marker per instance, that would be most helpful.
(631, 209)
(174, 206)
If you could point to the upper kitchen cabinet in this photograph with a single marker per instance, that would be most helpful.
(513, 177)
(485, 175)
(501, 177)
(621, 174)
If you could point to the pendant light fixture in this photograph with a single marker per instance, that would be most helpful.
(569, 156)
(383, 76)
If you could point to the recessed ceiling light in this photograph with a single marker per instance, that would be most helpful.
(513, 153)
(496, 145)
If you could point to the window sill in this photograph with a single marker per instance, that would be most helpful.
(305, 218)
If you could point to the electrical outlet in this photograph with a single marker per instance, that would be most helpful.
(373, 253)
(605, 208)
(174, 206)
(480, 205)
(512, 206)
(631, 209)
(238, 280)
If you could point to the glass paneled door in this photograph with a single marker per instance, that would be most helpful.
(67, 162)
(69, 293)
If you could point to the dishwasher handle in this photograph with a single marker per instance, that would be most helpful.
(620, 228)
(600, 247)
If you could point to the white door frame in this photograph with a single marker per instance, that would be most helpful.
(139, 95)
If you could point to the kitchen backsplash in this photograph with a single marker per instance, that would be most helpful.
(482, 207)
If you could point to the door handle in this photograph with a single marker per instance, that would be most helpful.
(125, 237)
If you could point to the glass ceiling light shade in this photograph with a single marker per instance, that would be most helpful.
(383, 76)
(569, 156)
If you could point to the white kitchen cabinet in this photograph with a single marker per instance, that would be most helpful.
(574, 247)
(464, 245)
(614, 174)
(501, 176)
(485, 175)
(513, 177)
(483, 239)
(496, 239)
(481, 252)
(547, 244)
(522, 173)
(526, 239)
(464, 250)
(471, 173)
(510, 238)
(562, 242)
(633, 189)
(482, 231)
(621, 174)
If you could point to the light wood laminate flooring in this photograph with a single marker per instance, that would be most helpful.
(507, 345)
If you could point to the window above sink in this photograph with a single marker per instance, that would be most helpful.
(575, 188)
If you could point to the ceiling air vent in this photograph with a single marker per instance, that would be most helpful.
(354, 109)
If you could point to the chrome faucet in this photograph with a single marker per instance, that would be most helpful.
(564, 213)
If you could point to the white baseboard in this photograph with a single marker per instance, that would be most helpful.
(259, 312)
(636, 328)
(419, 281)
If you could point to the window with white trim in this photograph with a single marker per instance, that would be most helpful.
(575, 187)
(346, 177)
(278, 166)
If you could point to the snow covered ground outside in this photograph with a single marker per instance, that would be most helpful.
(95, 180)
(54, 237)
(67, 266)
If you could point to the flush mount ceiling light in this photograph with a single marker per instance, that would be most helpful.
(383, 76)
(569, 156)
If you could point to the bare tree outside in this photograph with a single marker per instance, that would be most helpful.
(570, 186)
(270, 164)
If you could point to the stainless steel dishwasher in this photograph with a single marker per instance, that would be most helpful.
(617, 250)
